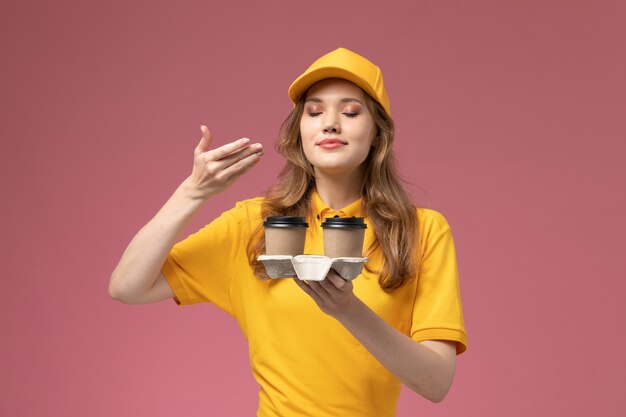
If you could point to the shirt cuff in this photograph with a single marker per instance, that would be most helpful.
(452, 335)
(181, 295)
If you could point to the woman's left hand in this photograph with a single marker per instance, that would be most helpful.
(333, 295)
(426, 367)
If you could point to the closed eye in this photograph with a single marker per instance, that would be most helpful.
(351, 114)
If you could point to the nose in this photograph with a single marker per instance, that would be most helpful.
(331, 123)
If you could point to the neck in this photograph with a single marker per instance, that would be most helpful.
(338, 191)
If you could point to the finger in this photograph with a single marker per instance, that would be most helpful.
(329, 287)
(205, 142)
(339, 283)
(231, 173)
(238, 155)
(225, 150)
(255, 146)
(307, 289)
(319, 289)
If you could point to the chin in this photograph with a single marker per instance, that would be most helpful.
(336, 165)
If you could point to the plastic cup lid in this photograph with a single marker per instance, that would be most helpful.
(285, 221)
(344, 222)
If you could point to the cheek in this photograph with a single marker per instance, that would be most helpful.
(366, 130)
(369, 136)
(303, 129)
(307, 130)
(305, 139)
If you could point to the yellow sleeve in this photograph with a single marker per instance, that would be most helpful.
(438, 313)
(201, 267)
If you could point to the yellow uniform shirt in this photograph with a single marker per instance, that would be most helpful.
(306, 362)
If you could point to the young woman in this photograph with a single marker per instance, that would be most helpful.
(322, 348)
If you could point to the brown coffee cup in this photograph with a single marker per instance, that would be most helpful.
(343, 236)
(285, 235)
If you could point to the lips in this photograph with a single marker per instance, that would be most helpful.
(331, 143)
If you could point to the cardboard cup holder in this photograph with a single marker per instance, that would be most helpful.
(311, 267)
(278, 266)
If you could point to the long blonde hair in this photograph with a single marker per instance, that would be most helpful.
(388, 206)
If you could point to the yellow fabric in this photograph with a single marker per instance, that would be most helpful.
(305, 362)
(345, 64)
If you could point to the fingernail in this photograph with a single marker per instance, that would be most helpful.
(245, 140)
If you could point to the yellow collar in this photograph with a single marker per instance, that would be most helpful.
(321, 209)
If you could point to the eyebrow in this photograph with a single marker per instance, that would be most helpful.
(343, 100)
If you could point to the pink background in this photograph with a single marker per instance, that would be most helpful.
(510, 121)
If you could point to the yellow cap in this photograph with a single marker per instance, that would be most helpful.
(345, 64)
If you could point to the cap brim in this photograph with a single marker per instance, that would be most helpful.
(305, 81)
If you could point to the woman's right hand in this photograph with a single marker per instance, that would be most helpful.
(216, 169)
